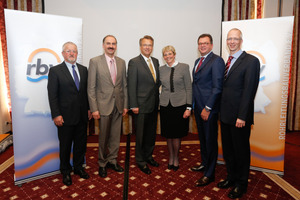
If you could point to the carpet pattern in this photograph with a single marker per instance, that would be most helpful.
(160, 184)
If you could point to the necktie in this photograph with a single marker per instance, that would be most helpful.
(151, 69)
(112, 69)
(227, 66)
(76, 79)
(200, 63)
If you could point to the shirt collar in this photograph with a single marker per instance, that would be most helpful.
(174, 64)
(109, 58)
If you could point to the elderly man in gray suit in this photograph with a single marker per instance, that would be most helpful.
(108, 99)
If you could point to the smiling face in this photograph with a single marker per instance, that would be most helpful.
(70, 53)
(169, 57)
(204, 45)
(146, 47)
(234, 41)
(110, 46)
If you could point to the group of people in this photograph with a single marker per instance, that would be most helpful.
(106, 93)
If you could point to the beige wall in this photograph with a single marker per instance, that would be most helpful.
(271, 8)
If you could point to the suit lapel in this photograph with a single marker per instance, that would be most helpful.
(119, 69)
(81, 72)
(105, 68)
(145, 65)
(66, 71)
(236, 64)
(206, 61)
(203, 65)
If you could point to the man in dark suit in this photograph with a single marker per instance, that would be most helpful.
(241, 80)
(108, 98)
(67, 93)
(208, 76)
(143, 84)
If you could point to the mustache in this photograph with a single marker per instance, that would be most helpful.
(111, 48)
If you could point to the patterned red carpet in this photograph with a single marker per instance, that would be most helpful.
(161, 184)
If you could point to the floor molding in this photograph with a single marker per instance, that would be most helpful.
(284, 185)
(6, 164)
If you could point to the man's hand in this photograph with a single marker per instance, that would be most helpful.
(58, 121)
(90, 115)
(96, 115)
(135, 110)
(186, 113)
(240, 123)
(125, 111)
(205, 114)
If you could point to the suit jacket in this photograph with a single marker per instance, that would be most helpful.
(239, 90)
(182, 94)
(142, 90)
(208, 83)
(64, 98)
(103, 94)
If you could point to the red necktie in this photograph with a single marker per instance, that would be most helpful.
(200, 63)
(227, 66)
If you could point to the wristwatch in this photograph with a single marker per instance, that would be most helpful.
(208, 109)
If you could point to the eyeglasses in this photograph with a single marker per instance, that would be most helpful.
(204, 43)
(233, 39)
(147, 45)
(71, 51)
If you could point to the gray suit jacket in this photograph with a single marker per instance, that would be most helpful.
(182, 85)
(143, 91)
(102, 93)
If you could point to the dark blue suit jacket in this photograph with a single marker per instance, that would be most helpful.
(239, 90)
(64, 98)
(208, 83)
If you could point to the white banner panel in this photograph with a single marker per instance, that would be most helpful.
(270, 40)
(34, 44)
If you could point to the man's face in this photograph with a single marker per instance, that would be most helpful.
(146, 47)
(204, 45)
(110, 46)
(234, 41)
(70, 53)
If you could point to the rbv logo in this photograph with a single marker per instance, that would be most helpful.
(39, 63)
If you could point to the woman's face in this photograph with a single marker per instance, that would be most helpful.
(169, 57)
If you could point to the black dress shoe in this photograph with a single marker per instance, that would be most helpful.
(175, 168)
(102, 172)
(82, 173)
(170, 166)
(225, 184)
(198, 168)
(67, 179)
(153, 163)
(203, 181)
(115, 167)
(236, 192)
(145, 169)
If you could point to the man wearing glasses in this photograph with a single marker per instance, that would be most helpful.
(143, 84)
(241, 80)
(208, 76)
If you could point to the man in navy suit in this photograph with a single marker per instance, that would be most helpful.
(67, 94)
(208, 74)
(236, 113)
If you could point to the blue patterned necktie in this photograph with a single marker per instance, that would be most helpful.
(76, 79)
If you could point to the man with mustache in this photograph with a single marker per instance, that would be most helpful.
(107, 93)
